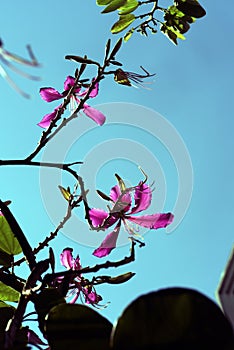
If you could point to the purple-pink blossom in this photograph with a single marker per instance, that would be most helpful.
(79, 289)
(123, 211)
(49, 94)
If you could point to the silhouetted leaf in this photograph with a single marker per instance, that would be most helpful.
(118, 279)
(173, 318)
(80, 59)
(103, 195)
(116, 48)
(116, 63)
(44, 301)
(5, 259)
(172, 33)
(191, 8)
(72, 326)
(8, 242)
(114, 5)
(7, 293)
(123, 22)
(6, 313)
(130, 6)
(108, 44)
(177, 19)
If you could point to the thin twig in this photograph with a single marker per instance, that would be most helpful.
(52, 235)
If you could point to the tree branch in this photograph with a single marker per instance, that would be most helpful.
(74, 273)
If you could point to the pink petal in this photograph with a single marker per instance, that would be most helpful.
(108, 244)
(115, 193)
(152, 221)
(69, 82)
(50, 94)
(33, 338)
(46, 120)
(68, 261)
(93, 93)
(97, 216)
(94, 114)
(66, 258)
(122, 202)
(73, 300)
(142, 196)
(92, 297)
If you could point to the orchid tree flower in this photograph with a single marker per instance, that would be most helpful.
(49, 94)
(79, 290)
(7, 57)
(123, 212)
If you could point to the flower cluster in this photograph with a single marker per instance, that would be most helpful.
(49, 94)
(79, 288)
(122, 211)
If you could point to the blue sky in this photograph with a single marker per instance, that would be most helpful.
(192, 91)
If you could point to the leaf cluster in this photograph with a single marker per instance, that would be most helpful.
(176, 18)
(171, 318)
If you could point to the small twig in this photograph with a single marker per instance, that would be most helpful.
(52, 235)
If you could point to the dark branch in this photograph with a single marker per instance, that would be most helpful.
(108, 264)
(27, 250)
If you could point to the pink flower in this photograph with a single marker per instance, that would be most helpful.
(89, 294)
(122, 212)
(49, 94)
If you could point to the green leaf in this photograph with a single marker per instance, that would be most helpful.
(7, 293)
(177, 33)
(2, 305)
(72, 326)
(173, 34)
(172, 318)
(8, 242)
(5, 259)
(173, 10)
(65, 192)
(114, 5)
(130, 6)
(103, 2)
(128, 35)
(123, 22)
